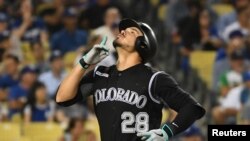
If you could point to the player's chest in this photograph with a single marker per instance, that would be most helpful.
(121, 91)
(125, 81)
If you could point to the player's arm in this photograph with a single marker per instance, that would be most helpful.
(69, 86)
(189, 110)
(67, 93)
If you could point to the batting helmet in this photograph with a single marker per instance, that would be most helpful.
(145, 45)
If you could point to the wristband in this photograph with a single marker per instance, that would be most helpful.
(168, 130)
(83, 64)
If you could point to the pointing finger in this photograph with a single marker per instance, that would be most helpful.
(104, 40)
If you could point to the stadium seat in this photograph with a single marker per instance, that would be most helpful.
(27, 54)
(162, 11)
(154, 2)
(9, 131)
(42, 131)
(203, 62)
(92, 125)
(16, 118)
(24, 139)
(222, 9)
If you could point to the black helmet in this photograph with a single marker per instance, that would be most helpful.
(146, 45)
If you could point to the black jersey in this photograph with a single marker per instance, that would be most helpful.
(123, 102)
(129, 101)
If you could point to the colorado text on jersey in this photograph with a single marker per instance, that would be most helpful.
(119, 94)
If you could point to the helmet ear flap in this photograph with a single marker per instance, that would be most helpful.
(142, 46)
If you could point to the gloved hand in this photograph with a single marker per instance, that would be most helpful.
(154, 135)
(96, 54)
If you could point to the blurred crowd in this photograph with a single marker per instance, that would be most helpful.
(195, 25)
(41, 40)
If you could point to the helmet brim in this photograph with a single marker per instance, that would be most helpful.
(125, 23)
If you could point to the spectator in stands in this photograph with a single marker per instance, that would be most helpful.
(110, 29)
(4, 43)
(52, 20)
(177, 10)
(5, 37)
(39, 107)
(242, 23)
(193, 133)
(3, 6)
(209, 38)
(74, 131)
(197, 31)
(29, 28)
(61, 118)
(92, 17)
(231, 17)
(222, 64)
(18, 93)
(230, 106)
(186, 26)
(233, 77)
(8, 79)
(245, 101)
(55, 75)
(78, 110)
(39, 54)
(10, 44)
(244, 114)
(70, 38)
(3, 105)
(3, 22)
(11, 73)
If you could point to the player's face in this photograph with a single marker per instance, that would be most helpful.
(126, 38)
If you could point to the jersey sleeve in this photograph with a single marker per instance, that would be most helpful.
(167, 90)
(84, 89)
(86, 83)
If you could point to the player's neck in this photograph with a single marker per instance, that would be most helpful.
(126, 61)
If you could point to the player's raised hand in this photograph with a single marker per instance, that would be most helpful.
(154, 135)
(97, 53)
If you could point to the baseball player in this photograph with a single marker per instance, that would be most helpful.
(129, 96)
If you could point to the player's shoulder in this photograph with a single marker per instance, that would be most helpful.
(155, 71)
(161, 76)
(101, 70)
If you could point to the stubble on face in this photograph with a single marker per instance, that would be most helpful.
(116, 43)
